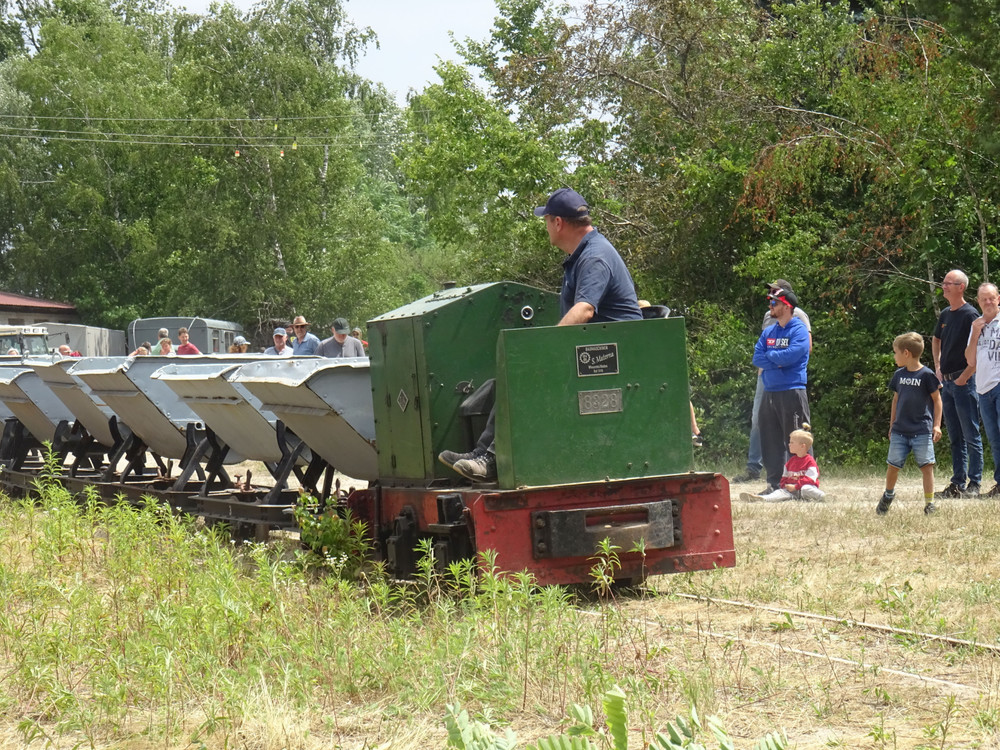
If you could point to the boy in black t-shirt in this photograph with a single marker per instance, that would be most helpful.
(915, 421)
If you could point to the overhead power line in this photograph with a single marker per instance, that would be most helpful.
(263, 119)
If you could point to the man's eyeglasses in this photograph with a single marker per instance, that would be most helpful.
(772, 302)
(951, 283)
(298, 326)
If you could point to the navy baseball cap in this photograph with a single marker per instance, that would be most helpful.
(566, 203)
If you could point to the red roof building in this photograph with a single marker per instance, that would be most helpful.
(19, 309)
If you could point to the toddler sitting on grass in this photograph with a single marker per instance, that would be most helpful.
(800, 479)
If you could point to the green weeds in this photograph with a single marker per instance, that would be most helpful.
(336, 540)
(581, 732)
(119, 621)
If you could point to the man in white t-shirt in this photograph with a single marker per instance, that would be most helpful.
(983, 353)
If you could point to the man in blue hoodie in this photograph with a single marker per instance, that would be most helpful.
(782, 354)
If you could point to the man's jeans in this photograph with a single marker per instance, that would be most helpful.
(989, 407)
(755, 459)
(961, 416)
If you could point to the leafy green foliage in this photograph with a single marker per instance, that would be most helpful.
(230, 166)
(333, 536)
(467, 734)
(684, 733)
(606, 562)
(725, 144)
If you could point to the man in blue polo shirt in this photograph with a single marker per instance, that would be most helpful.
(597, 287)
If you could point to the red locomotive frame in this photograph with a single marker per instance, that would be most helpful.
(681, 522)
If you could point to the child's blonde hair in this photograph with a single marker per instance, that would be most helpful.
(803, 435)
(911, 342)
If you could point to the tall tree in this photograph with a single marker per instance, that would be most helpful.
(737, 142)
(218, 165)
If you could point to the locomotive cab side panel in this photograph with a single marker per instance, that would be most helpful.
(592, 402)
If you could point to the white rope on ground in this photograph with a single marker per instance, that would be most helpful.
(957, 687)
(845, 621)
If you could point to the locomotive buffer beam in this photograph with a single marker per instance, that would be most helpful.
(577, 533)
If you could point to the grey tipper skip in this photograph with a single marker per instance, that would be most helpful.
(228, 408)
(91, 412)
(326, 402)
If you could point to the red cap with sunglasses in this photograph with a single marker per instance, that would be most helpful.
(784, 296)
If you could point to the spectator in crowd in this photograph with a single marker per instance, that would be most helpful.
(754, 460)
(163, 333)
(65, 351)
(800, 480)
(140, 352)
(281, 347)
(356, 333)
(782, 353)
(340, 344)
(303, 342)
(186, 347)
(239, 346)
(958, 388)
(983, 353)
(166, 346)
(914, 420)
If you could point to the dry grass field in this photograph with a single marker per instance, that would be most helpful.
(844, 629)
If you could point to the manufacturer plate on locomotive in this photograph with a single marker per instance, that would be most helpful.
(596, 359)
(600, 402)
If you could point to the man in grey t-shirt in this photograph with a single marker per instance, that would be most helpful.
(340, 344)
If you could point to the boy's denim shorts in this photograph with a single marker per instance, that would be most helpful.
(921, 446)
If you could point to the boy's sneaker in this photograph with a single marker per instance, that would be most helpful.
(746, 476)
(930, 509)
(883, 504)
(995, 492)
(481, 468)
(696, 440)
(972, 490)
(450, 458)
(952, 490)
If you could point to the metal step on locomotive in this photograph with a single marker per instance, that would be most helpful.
(592, 436)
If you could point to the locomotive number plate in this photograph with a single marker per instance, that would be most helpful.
(600, 402)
